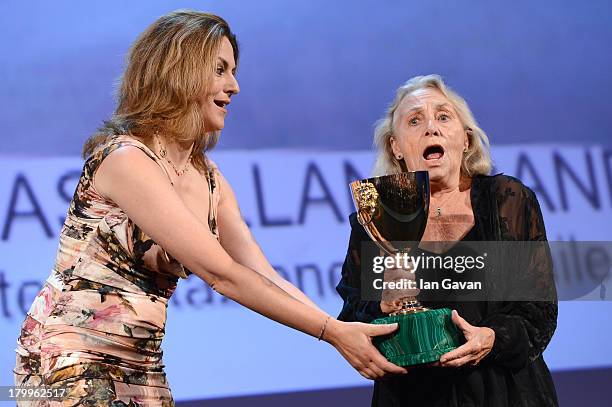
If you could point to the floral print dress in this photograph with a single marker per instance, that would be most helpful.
(96, 326)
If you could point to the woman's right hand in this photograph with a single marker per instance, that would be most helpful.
(354, 342)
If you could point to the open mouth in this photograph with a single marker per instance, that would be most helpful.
(434, 152)
(221, 103)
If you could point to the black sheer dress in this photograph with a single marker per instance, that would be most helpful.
(514, 372)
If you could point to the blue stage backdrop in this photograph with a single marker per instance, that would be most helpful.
(314, 76)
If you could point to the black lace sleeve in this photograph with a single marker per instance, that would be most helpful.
(523, 329)
(349, 288)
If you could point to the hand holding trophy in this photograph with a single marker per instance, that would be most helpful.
(393, 210)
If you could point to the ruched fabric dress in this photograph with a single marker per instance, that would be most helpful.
(514, 373)
(96, 326)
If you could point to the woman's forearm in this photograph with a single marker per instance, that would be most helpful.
(262, 295)
(295, 292)
(352, 341)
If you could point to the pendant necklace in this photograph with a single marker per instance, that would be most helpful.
(163, 153)
(439, 206)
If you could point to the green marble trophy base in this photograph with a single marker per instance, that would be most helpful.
(422, 337)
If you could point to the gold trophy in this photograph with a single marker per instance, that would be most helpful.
(393, 211)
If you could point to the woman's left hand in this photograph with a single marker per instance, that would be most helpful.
(479, 343)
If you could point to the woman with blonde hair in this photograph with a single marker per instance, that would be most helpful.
(151, 208)
(428, 127)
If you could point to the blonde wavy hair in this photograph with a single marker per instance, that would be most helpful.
(168, 69)
(477, 159)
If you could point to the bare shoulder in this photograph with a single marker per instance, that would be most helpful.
(123, 166)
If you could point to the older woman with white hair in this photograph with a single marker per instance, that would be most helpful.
(430, 127)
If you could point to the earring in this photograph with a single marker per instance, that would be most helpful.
(162, 150)
(399, 157)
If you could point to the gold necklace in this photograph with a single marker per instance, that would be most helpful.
(163, 153)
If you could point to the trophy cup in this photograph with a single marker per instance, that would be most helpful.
(393, 211)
